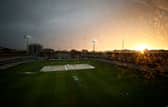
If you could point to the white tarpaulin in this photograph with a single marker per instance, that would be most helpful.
(66, 67)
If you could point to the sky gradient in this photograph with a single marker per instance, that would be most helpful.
(73, 24)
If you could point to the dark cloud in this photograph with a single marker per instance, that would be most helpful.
(51, 22)
(44, 18)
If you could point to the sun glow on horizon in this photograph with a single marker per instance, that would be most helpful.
(141, 47)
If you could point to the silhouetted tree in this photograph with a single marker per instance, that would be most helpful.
(34, 49)
(75, 53)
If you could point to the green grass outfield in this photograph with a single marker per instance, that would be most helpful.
(106, 86)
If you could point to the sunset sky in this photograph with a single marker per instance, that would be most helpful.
(73, 24)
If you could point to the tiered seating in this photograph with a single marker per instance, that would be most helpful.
(10, 62)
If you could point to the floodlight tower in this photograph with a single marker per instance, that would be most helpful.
(94, 45)
(27, 40)
(123, 44)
